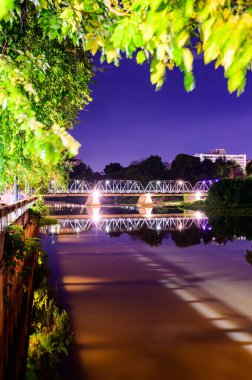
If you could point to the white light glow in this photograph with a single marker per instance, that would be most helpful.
(148, 212)
(148, 198)
(180, 227)
(96, 195)
(198, 215)
(198, 196)
(95, 216)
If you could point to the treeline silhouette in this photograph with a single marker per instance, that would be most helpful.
(222, 230)
(184, 166)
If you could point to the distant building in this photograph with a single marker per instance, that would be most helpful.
(240, 159)
(220, 151)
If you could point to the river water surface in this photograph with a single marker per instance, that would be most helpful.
(153, 297)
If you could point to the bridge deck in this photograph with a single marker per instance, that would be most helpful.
(85, 194)
(123, 216)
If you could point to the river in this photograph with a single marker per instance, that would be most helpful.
(153, 297)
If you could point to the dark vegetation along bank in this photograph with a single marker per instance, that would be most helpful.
(228, 196)
(50, 334)
(35, 333)
(231, 193)
(18, 263)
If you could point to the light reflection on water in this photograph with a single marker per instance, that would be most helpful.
(150, 225)
(202, 261)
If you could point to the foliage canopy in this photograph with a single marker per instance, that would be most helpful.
(45, 71)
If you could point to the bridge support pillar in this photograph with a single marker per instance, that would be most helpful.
(94, 212)
(197, 196)
(188, 198)
(145, 200)
(93, 200)
(145, 212)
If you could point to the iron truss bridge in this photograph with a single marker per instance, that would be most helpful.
(132, 187)
(129, 224)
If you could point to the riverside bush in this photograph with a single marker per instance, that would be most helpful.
(230, 193)
(50, 334)
(50, 329)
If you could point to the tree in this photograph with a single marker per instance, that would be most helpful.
(134, 172)
(185, 167)
(114, 170)
(162, 32)
(148, 169)
(153, 168)
(191, 169)
(208, 170)
(249, 168)
(231, 192)
(80, 171)
(44, 70)
(227, 168)
(43, 85)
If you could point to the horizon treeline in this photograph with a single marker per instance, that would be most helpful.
(184, 166)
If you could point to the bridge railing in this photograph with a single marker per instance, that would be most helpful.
(203, 186)
(129, 224)
(74, 187)
(169, 187)
(119, 186)
(132, 187)
(9, 214)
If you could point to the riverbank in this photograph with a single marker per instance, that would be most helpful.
(218, 210)
(49, 333)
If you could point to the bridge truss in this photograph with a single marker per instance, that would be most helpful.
(74, 187)
(130, 224)
(132, 187)
(169, 187)
(119, 187)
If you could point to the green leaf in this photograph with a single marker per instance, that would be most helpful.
(188, 59)
(189, 8)
(237, 82)
(189, 81)
(5, 7)
(140, 57)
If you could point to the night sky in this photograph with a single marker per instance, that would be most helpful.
(128, 120)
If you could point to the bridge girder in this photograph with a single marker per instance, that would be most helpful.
(169, 187)
(118, 187)
(75, 186)
(132, 224)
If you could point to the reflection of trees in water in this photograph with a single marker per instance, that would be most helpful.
(248, 257)
(228, 227)
(152, 237)
(115, 234)
(223, 229)
(191, 236)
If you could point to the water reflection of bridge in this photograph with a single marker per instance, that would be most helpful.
(128, 223)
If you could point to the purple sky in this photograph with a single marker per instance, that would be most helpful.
(128, 120)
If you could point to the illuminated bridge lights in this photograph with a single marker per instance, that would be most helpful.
(133, 187)
(119, 186)
(133, 224)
